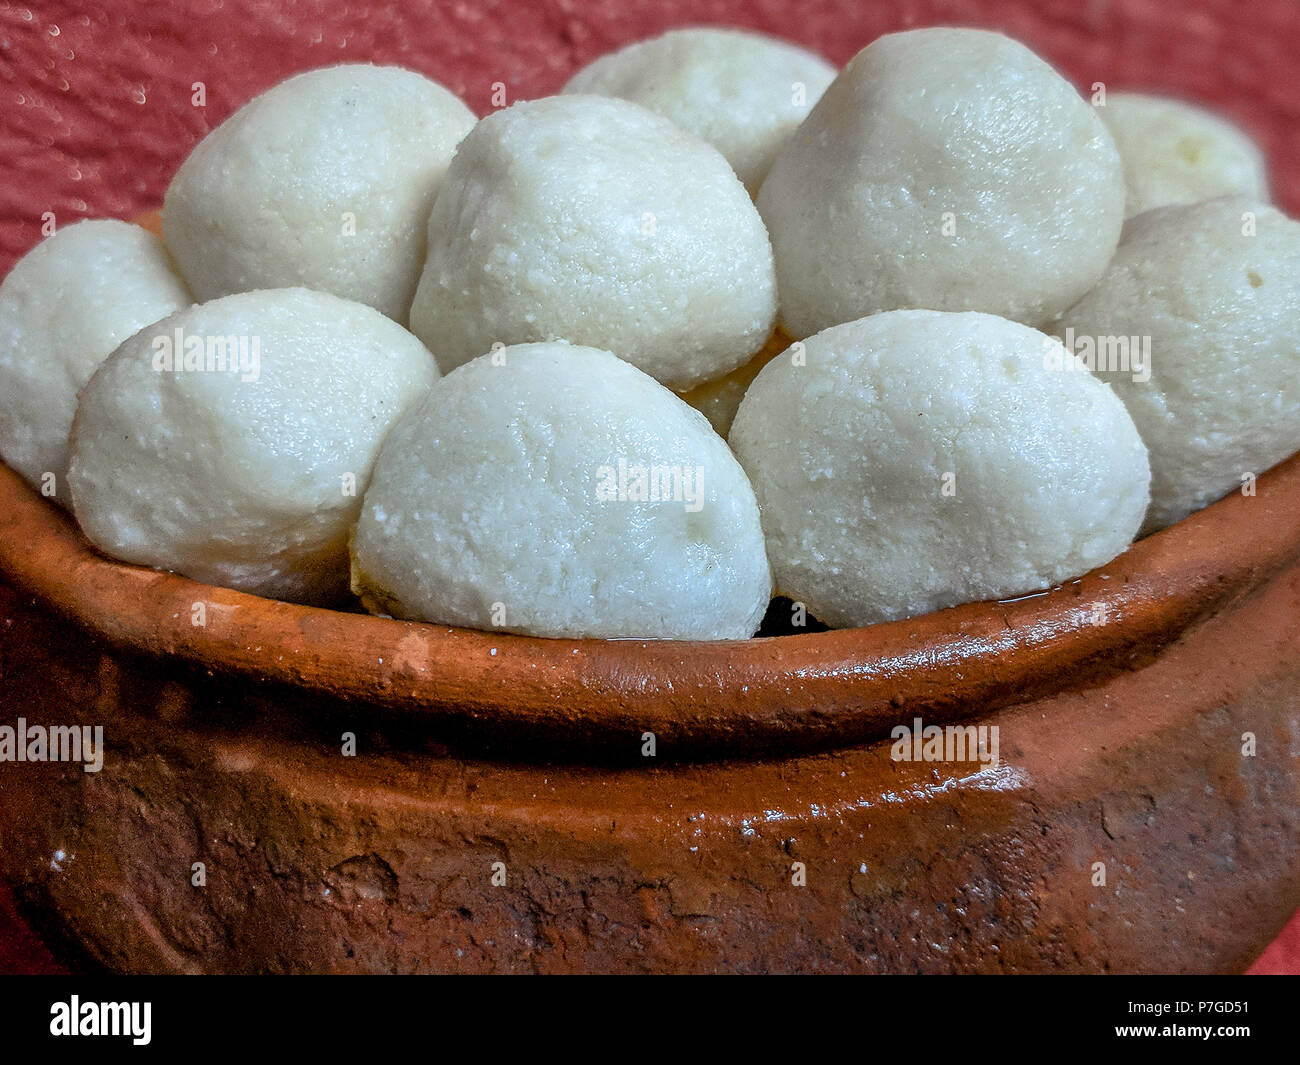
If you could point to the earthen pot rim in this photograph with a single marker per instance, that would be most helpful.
(765, 696)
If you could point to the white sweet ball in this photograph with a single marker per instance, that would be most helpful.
(556, 490)
(64, 307)
(1213, 291)
(593, 220)
(950, 169)
(742, 92)
(251, 475)
(914, 460)
(1175, 152)
(325, 181)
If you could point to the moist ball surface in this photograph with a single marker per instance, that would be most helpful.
(63, 308)
(512, 499)
(1175, 152)
(595, 221)
(915, 460)
(1220, 311)
(742, 92)
(324, 181)
(946, 169)
(249, 478)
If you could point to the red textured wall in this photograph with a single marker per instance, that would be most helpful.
(97, 111)
(96, 108)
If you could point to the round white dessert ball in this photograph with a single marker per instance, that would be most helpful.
(949, 169)
(593, 220)
(555, 490)
(1212, 289)
(64, 307)
(742, 92)
(1176, 152)
(914, 460)
(232, 442)
(324, 181)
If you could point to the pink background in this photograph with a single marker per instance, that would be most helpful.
(97, 111)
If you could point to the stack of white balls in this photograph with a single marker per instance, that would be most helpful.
(592, 270)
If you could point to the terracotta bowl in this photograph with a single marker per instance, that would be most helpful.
(500, 812)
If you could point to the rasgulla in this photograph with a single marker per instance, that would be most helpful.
(914, 460)
(742, 92)
(949, 169)
(232, 442)
(1208, 295)
(1175, 152)
(555, 490)
(592, 220)
(324, 181)
(63, 308)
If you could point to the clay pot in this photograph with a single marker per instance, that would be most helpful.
(502, 811)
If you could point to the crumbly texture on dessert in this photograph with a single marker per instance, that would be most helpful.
(744, 93)
(325, 181)
(944, 169)
(915, 460)
(555, 490)
(64, 307)
(1212, 289)
(248, 477)
(593, 220)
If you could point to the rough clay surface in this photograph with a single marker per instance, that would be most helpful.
(246, 483)
(69, 302)
(920, 459)
(490, 507)
(1220, 309)
(324, 181)
(944, 169)
(594, 220)
(742, 92)
(384, 862)
(1175, 152)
